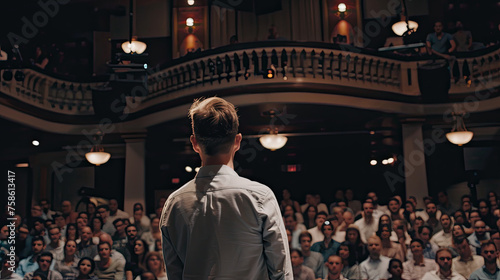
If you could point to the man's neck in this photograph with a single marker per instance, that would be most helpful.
(306, 253)
(466, 257)
(54, 244)
(375, 257)
(332, 276)
(447, 230)
(112, 213)
(491, 267)
(419, 259)
(445, 273)
(220, 159)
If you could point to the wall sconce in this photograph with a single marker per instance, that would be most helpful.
(459, 134)
(189, 22)
(190, 2)
(342, 10)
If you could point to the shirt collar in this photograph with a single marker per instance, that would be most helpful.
(212, 170)
(488, 272)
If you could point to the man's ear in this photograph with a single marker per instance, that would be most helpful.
(237, 142)
(196, 146)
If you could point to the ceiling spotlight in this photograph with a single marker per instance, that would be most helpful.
(390, 160)
(385, 162)
(373, 162)
(342, 7)
(35, 143)
(189, 22)
(188, 169)
(197, 169)
(190, 2)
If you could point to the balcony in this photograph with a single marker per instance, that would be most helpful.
(295, 67)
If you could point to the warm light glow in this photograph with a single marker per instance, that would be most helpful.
(35, 143)
(400, 27)
(390, 160)
(24, 164)
(189, 22)
(134, 47)
(97, 158)
(373, 162)
(188, 169)
(342, 7)
(190, 2)
(270, 75)
(197, 169)
(273, 141)
(385, 162)
(459, 137)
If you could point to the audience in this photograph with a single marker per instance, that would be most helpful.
(350, 268)
(444, 261)
(313, 260)
(466, 262)
(375, 266)
(317, 232)
(300, 271)
(491, 269)
(328, 246)
(44, 262)
(67, 262)
(415, 268)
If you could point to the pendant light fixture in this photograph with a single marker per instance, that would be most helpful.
(459, 134)
(133, 46)
(97, 155)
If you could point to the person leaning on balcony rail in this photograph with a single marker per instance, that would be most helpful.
(440, 43)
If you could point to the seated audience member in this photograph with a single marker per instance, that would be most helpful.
(107, 226)
(38, 229)
(44, 262)
(445, 205)
(444, 261)
(327, 246)
(495, 238)
(433, 217)
(96, 226)
(340, 231)
(335, 265)
(60, 222)
(153, 234)
(430, 249)
(375, 266)
(461, 218)
(67, 262)
(23, 242)
(466, 262)
(409, 212)
(30, 264)
(485, 213)
(72, 232)
(463, 38)
(106, 267)
(367, 225)
(320, 206)
(473, 217)
(313, 260)
(56, 245)
(419, 221)
(389, 248)
(378, 210)
(289, 210)
(68, 213)
(443, 238)
(490, 270)
(309, 214)
(360, 249)
(137, 265)
(395, 211)
(147, 275)
(8, 268)
(350, 268)
(355, 205)
(287, 200)
(86, 247)
(316, 232)
(46, 211)
(156, 265)
(114, 212)
(140, 220)
(300, 271)
(120, 234)
(86, 267)
(479, 236)
(91, 209)
(296, 229)
(401, 234)
(415, 268)
(80, 224)
(395, 269)
(440, 43)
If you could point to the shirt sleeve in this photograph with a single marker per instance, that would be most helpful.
(173, 263)
(275, 241)
(364, 272)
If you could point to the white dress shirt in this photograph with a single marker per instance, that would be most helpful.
(366, 230)
(435, 275)
(375, 269)
(316, 234)
(222, 226)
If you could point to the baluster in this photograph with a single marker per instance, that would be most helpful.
(369, 73)
(264, 62)
(284, 63)
(377, 65)
(354, 67)
(321, 61)
(177, 79)
(456, 71)
(237, 65)
(390, 78)
(220, 68)
(339, 68)
(246, 64)
(347, 63)
(382, 77)
(293, 61)
(211, 70)
(313, 62)
(196, 71)
(190, 74)
(182, 75)
(331, 56)
(303, 62)
(255, 61)
(228, 70)
(203, 71)
(362, 70)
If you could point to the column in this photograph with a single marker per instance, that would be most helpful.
(414, 161)
(135, 172)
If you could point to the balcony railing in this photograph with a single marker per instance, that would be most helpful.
(293, 63)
